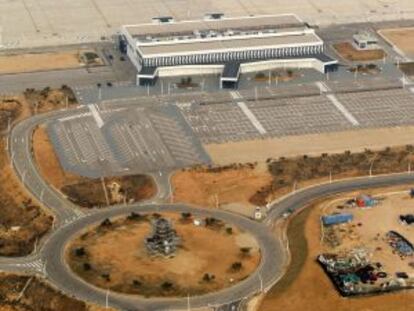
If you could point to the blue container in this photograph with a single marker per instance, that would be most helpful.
(336, 219)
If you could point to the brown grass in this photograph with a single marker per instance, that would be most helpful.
(38, 296)
(22, 221)
(84, 191)
(36, 62)
(119, 251)
(203, 187)
(348, 52)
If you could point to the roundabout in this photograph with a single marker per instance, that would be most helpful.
(70, 221)
(163, 255)
(59, 272)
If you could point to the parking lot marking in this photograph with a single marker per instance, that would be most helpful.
(249, 114)
(96, 115)
(332, 98)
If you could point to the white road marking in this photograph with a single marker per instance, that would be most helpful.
(332, 98)
(249, 114)
(96, 115)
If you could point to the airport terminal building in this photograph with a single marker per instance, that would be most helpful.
(217, 44)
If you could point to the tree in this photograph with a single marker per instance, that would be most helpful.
(229, 230)
(185, 215)
(106, 223)
(80, 251)
(167, 285)
(208, 277)
(134, 216)
(236, 266)
(87, 266)
(136, 283)
(245, 250)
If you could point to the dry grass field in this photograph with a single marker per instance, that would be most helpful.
(348, 52)
(119, 252)
(18, 63)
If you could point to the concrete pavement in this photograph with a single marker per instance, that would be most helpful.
(49, 258)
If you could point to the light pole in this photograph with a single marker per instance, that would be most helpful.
(107, 299)
(261, 282)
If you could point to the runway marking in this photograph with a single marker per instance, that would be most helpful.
(332, 98)
(249, 114)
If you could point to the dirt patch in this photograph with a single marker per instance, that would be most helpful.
(38, 296)
(213, 187)
(109, 191)
(18, 63)
(22, 221)
(12, 109)
(50, 99)
(309, 285)
(114, 255)
(83, 191)
(349, 52)
(401, 38)
(314, 144)
(288, 173)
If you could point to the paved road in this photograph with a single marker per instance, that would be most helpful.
(49, 259)
(70, 220)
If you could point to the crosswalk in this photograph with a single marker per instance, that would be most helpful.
(36, 265)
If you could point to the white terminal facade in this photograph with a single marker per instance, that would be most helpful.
(223, 45)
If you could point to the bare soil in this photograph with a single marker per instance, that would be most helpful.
(18, 63)
(312, 144)
(369, 228)
(402, 38)
(83, 191)
(305, 285)
(22, 220)
(12, 109)
(50, 99)
(119, 260)
(253, 185)
(349, 52)
(38, 296)
(217, 187)
(289, 172)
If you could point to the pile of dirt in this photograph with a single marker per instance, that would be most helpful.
(49, 99)
(348, 52)
(22, 221)
(114, 255)
(109, 191)
(26, 293)
(217, 186)
(287, 172)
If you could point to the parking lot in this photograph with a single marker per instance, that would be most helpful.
(133, 140)
(300, 115)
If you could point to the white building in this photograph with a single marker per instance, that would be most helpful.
(222, 45)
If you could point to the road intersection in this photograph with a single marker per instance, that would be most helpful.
(49, 261)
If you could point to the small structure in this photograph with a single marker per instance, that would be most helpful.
(365, 41)
(365, 201)
(336, 219)
(163, 240)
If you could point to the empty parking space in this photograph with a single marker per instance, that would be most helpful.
(380, 108)
(135, 140)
